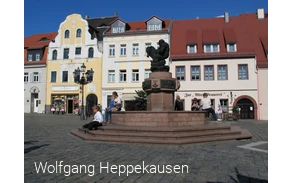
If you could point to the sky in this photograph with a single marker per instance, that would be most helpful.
(46, 16)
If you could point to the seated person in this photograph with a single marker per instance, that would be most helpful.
(97, 120)
(195, 105)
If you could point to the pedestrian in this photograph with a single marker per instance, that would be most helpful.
(179, 104)
(108, 111)
(118, 101)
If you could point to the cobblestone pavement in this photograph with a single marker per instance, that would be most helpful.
(48, 139)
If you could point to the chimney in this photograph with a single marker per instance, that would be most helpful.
(261, 13)
(226, 17)
(116, 14)
(86, 17)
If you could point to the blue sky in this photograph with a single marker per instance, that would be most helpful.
(46, 16)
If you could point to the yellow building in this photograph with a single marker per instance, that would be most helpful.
(79, 41)
(125, 65)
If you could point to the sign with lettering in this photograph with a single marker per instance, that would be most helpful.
(201, 94)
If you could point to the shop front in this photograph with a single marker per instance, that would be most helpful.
(65, 103)
(224, 101)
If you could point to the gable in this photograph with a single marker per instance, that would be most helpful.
(118, 23)
(154, 21)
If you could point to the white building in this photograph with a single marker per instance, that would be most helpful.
(35, 56)
(125, 64)
(225, 57)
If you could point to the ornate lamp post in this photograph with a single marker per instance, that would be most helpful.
(83, 78)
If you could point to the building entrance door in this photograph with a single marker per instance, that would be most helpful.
(246, 108)
(70, 106)
(36, 105)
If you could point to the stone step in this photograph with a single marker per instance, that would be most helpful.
(85, 136)
(112, 127)
(163, 135)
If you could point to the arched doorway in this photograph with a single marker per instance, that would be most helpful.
(248, 107)
(91, 100)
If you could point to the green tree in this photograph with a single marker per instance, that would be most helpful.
(141, 100)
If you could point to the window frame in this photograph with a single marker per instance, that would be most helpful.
(225, 73)
(63, 77)
(135, 49)
(124, 75)
(147, 71)
(135, 72)
(212, 73)
(191, 71)
(182, 66)
(52, 75)
(29, 57)
(113, 48)
(78, 32)
(211, 47)
(90, 53)
(77, 49)
(189, 48)
(228, 47)
(54, 53)
(65, 49)
(123, 47)
(36, 75)
(37, 57)
(247, 75)
(113, 74)
(26, 76)
(67, 34)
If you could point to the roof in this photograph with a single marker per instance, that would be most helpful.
(38, 41)
(248, 32)
(98, 25)
(141, 26)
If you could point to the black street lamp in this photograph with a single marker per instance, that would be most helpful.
(86, 77)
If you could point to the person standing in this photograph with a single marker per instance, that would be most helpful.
(179, 104)
(118, 101)
(108, 113)
(206, 105)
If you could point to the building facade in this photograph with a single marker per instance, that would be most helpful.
(35, 56)
(79, 41)
(222, 57)
(125, 63)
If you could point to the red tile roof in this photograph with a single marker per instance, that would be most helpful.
(38, 41)
(140, 26)
(210, 36)
(249, 33)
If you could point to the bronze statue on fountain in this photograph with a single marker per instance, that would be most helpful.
(158, 56)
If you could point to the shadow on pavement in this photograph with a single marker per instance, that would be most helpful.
(243, 179)
(27, 150)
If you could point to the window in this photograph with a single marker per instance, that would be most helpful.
(35, 77)
(192, 48)
(78, 51)
(196, 72)
(29, 57)
(67, 34)
(135, 75)
(66, 53)
(231, 47)
(26, 77)
(53, 76)
(224, 105)
(150, 27)
(123, 50)
(211, 48)
(147, 45)
(215, 48)
(157, 27)
(112, 51)
(135, 49)
(222, 72)
(209, 73)
(78, 33)
(180, 73)
(111, 76)
(147, 72)
(242, 72)
(90, 52)
(55, 54)
(118, 29)
(65, 76)
(123, 76)
(38, 57)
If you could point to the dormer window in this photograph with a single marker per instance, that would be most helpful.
(118, 29)
(154, 24)
(192, 48)
(209, 48)
(231, 47)
(154, 27)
